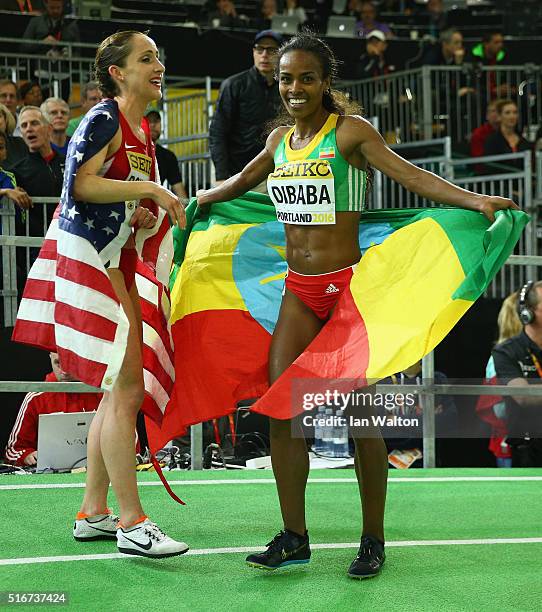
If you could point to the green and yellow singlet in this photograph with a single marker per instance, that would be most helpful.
(311, 184)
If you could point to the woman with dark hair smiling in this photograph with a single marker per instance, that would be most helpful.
(323, 132)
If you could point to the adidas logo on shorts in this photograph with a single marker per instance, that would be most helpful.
(332, 289)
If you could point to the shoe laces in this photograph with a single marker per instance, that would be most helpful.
(154, 532)
(365, 548)
(276, 544)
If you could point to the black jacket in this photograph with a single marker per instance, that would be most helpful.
(168, 166)
(39, 178)
(245, 104)
(370, 66)
(17, 150)
(514, 359)
(41, 26)
(496, 144)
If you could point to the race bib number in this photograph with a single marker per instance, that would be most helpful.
(303, 192)
(140, 166)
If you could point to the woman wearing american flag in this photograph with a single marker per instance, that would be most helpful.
(81, 298)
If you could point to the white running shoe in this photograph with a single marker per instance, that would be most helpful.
(98, 527)
(146, 539)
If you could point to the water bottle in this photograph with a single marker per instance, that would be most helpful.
(340, 435)
(327, 434)
(318, 431)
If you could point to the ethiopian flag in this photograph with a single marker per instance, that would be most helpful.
(420, 271)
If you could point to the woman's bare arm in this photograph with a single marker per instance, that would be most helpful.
(252, 174)
(89, 187)
(417, 180)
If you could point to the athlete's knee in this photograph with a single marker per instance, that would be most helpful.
(280, 429)
(129, 398)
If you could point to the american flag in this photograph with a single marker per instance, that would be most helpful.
(69, 305)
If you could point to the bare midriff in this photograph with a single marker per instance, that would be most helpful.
(324, 248)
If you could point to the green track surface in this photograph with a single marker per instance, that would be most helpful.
(37, 523)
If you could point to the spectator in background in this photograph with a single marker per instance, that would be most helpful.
(22, 447)
(8, 182)
(267, 10)
(8, 96)
(168, 166)
(491, 408)
(57, 113)
(292, 9)
(50, 28)
(30, 94)
(507, 139)
(245, 103)
(32, 7)
(517, 364)
(40, 173)
(538, 140)
(448, 52)
(490, 52)
(353, 8)
(368, 22)
(16, 148)
(225, 15)
(436, 15)
(480, 134)
(373, 63)
(90, 96)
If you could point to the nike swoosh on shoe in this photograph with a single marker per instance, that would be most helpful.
(146, 546)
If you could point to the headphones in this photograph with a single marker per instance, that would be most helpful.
(525, 312)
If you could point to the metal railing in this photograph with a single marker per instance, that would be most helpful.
(56, 67)
(186, 132)
(435, 101)
(427, 390)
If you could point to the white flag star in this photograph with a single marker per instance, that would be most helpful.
(108, 230)
(90, 223)
(72, 212)
(108, 115)
(115, 215)
(78, 156)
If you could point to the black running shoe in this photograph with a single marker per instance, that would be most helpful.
(286, 548)
(369, 560)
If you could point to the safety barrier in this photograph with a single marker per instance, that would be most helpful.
(57, 68)
(186, 132)
(435, 101)
(516, 181)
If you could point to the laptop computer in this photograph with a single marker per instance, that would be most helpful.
(285, 24)
(341, 27)
(62, 440)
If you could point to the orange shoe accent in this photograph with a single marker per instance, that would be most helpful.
(81, 515)
(142, 518)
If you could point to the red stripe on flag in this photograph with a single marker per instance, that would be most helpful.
(85, 321)
(153, 365)
(37, 289)
(48, 249)
(156, 320)
(81, 273)
(41, 335)
(86, 370)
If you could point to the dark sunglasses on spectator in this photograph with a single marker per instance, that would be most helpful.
(260, 49)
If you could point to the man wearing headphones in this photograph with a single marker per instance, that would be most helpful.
(518, 363)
